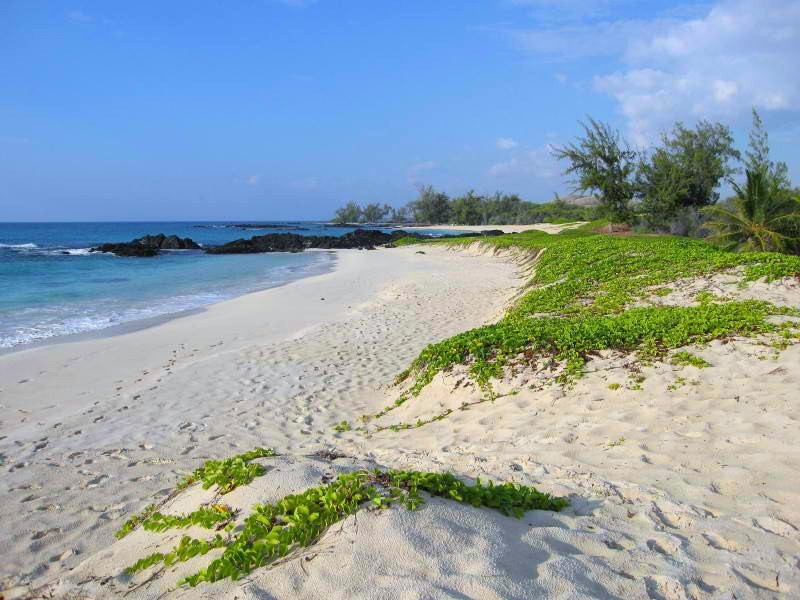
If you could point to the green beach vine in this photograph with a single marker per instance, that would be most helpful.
(274, 531)
(590, 293)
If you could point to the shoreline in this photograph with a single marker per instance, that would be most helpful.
(94, 428)
(154, 321)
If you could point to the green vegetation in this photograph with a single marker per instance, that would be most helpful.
(687, 359)
(208, 517)
(762, 217)
(230, 473)
(705, 297)
(757, 156)
(405, 241)
(272, 531)
(227, 475)
(435, 207)
(186, 549)
(601, 161)
(342, 426)
(579, 304)
(369, 213)
(684, 173)
(670, 188)
(135, 521)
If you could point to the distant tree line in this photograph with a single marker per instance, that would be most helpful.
(435, 207)
(674, 187)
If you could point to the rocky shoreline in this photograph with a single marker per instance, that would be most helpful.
(148, 245)
(369, 239)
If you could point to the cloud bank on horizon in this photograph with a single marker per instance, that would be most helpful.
(288, 108)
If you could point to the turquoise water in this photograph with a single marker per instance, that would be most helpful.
(50, 285)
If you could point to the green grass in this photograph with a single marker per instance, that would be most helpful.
(405, 241)
(579, 303)
(272, 531)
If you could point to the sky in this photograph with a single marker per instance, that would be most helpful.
(287, 109)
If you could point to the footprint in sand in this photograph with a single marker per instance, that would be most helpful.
(672, 519)
(759, 578)
(664, 588)
(776, 526)
(37, 535)
(663, 546)
(719, 542)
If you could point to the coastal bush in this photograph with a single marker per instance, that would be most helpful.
(273, 531)
(763, 216)
(469, 209)
(581, 301)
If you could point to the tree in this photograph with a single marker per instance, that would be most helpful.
(375, 213)
(757, 156)
(505, 209)
(763, 217)
(602, 162)
(467, 209)
(684, 173)
(349, 213)
(399, 215)
(431, 206)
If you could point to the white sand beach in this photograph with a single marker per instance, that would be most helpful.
(686, 488)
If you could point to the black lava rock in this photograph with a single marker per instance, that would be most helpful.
(292, 242)
(148, 245)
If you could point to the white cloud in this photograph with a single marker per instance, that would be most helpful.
(538, 162)
(742, 53)
(505, 143)
(252, 180)
(697, 60)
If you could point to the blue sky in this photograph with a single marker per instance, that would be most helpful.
(264, 109)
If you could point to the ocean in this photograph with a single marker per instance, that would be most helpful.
(52, 286)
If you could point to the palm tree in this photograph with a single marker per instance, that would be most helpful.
(762, 217)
